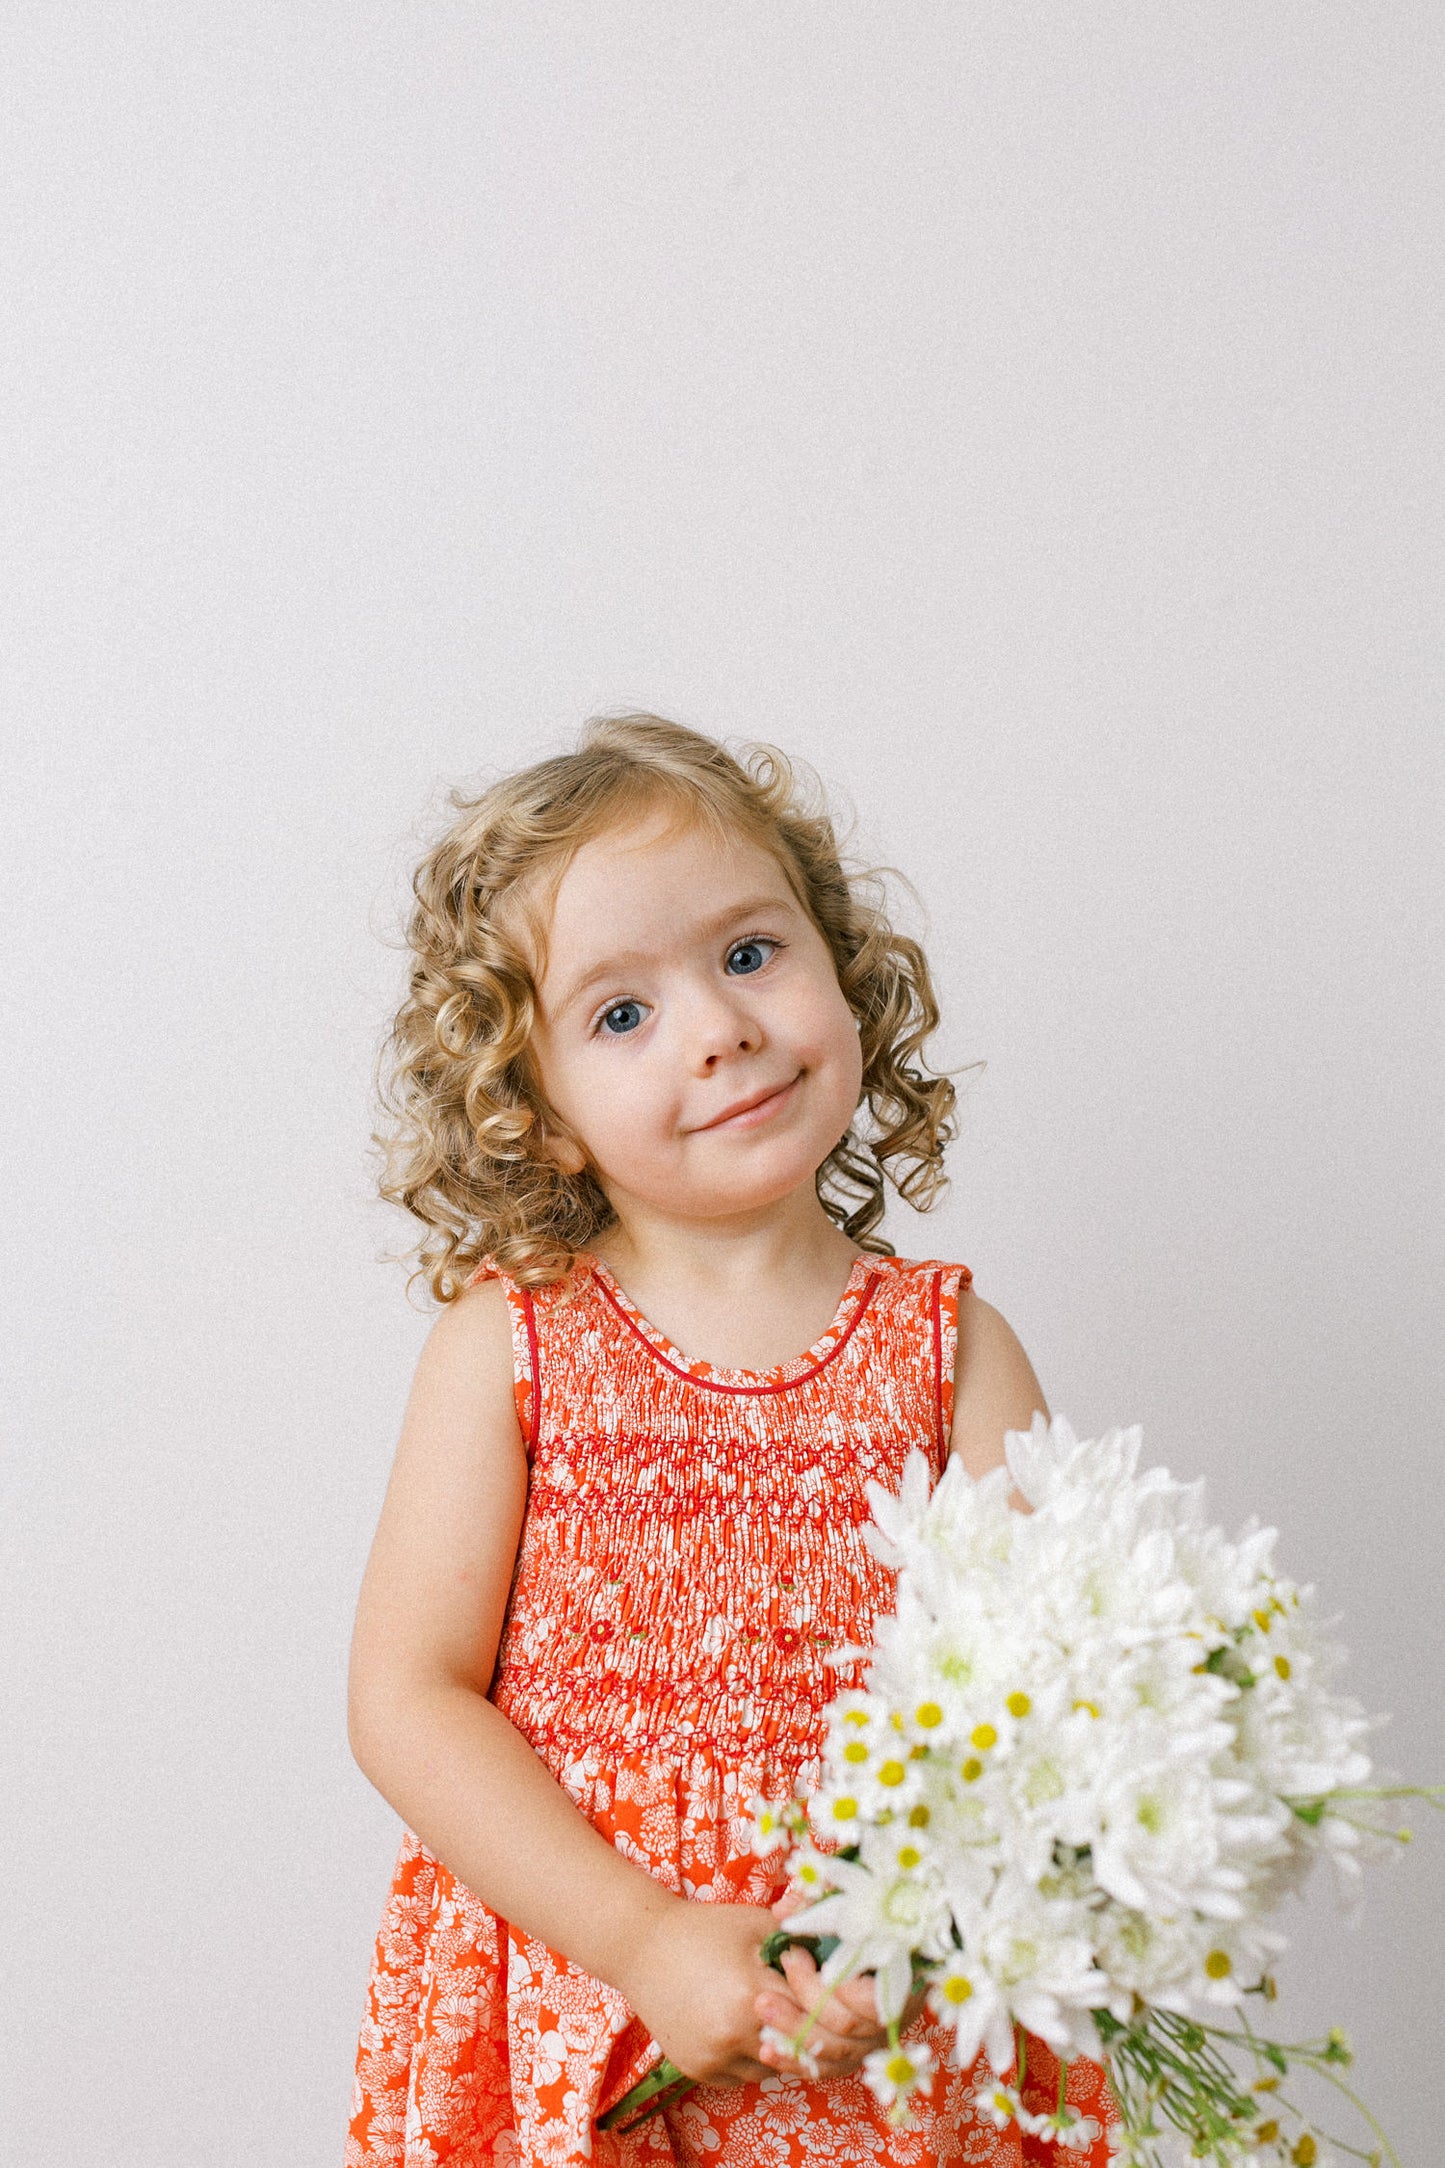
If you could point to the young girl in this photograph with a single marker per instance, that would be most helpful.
(623, 1534)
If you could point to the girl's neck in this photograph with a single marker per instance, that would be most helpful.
(742, 1300)
(802, 1246)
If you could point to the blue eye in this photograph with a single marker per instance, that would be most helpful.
(620, 1008)
(752, 947)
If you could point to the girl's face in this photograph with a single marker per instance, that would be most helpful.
(691, 1031)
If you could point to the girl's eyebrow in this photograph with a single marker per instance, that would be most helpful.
(610, 966)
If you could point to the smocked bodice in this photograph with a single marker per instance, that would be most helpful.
(692, 1553)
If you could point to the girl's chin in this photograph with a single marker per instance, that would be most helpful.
(751, 1189)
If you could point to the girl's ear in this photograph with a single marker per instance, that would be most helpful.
(564, 1150)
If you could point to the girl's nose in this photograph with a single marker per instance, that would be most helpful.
(722, 1023)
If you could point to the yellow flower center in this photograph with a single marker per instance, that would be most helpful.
(856, 1716)
(891, 1773)
(1093, 1706)
(844, 1809)
(1218, 1964)
(909, 1855)
(983, 1737)
(855, 1751)
(972, 1769)
(919, 1816)
(956, 1988)
(900, 2069)
(1018, 1705)
(928, 1714)
(1282, 1666)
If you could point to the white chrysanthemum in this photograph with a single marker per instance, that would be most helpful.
(1039, 1953)
(897, 1517)
(1229, 1579)
(940, 1664)
(881, 1919)
(1044, 1793)
(1173, 1834)
(1150, 1956)
(1300, 1740)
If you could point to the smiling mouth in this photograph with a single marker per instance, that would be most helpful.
(755, 1109)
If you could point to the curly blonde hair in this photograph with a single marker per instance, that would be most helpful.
(466, 1153)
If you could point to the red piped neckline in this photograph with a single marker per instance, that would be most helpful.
(857, 1294)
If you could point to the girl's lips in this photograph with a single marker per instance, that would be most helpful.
(750, 1116)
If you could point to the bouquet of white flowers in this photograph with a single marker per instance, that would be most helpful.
(1096, 1747)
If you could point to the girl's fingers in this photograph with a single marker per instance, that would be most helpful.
(853, 2016)
(841, 2022)
(783, 2059)
(820, 2051)
(858, 1997)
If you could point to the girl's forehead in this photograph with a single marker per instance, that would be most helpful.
(647, 884)
(635, 860)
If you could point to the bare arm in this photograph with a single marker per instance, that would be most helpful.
(994, 1387)
(428, 1622)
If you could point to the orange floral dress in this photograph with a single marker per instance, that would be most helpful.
(690, 1556)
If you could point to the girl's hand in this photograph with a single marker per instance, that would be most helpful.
(696, 1982)
(847, 2025)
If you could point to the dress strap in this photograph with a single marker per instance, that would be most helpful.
(946, 1284)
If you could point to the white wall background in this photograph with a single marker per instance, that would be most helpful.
(1029, 413)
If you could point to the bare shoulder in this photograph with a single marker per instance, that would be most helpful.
(462, 1406)
(435, 1587)
(474, 1328)
(994, 1386)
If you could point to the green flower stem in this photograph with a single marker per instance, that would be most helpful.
(1327, 2070)
(1171, 2066)
(1432, 1794)
(663, 2084)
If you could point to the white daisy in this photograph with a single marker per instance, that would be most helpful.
(1000, 2105)
(894, 2074)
